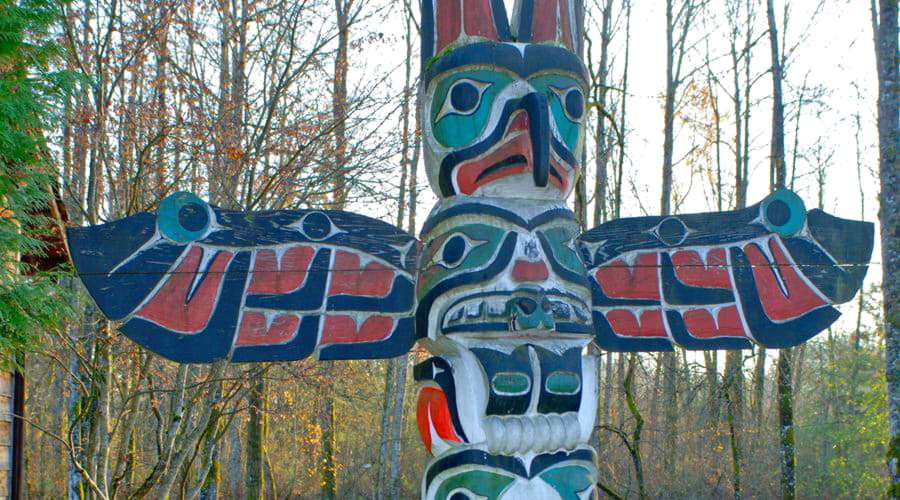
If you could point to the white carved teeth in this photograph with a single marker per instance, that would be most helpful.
(513, 435)
(493, 308)
(496, 308)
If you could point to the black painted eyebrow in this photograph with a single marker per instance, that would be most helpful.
(500, 213)
(538, 57)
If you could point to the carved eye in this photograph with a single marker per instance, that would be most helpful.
(572, 101)
(183, 217)
(510, 383)
(463, 98)
(563, 383)
(783, 212)
(455, 249)
(316, 226)
(464, 494)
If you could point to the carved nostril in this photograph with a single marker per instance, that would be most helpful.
(526, 305)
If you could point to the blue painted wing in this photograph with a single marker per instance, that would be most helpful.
(767, 274)
(195, 283)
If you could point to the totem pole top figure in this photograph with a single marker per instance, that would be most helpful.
(503, 102)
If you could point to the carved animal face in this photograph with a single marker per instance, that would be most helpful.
(503, 107)
(488, 271)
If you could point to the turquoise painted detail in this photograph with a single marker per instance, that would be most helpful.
(569, 480)
(485, 484)
(555, 86)
(510, 383)
(560, 239)
(183, 217)
(783, 212)
(562, 382)
(453, 129)
(529, 314)
(482, 241)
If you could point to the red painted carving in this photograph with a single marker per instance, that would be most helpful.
(625, 323)
(479, 19)
(700, 324)
(253, 329)
(170, 308)
(432, 411)
(548, 14)
(621, 281)
(524, 270)
(778, 305)
(692, 271)
(270, 278)
(349, 278)
(343, 329)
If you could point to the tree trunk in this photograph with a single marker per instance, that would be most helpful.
(397, 426)
(256, 448)
(889, 205)
(602, 146)
(786, 422)
(778, 176)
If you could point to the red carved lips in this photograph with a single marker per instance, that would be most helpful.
(512, 156)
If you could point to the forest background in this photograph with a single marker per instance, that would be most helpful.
(695, 105)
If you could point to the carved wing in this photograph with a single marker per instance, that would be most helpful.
(768, 274)
(195, 283)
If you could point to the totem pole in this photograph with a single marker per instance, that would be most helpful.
(502, 290)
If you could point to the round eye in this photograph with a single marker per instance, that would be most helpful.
(783, 212)
(463, 98)
(572, 101)
(316, 226)
(455, 250)
(183, 217)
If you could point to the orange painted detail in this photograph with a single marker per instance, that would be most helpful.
(692, 271)
(778, 305)
(170, 307)
(621, 281)
(432, 411)
(548, 15)
(272, 277)
(343, 329)
(253, 329)
(479, 19)
(349, 278)
(449, 18)
(524, 270)
(700, 324)
(625, 323)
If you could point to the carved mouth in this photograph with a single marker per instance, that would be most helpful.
(512, 155)
(489, 312)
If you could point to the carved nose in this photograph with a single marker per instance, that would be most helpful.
(524, 270)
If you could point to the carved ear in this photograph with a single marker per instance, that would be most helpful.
(555, 21)
(447, 21)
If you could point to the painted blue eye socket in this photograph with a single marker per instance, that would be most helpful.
(574, 104)
(454, 250)
(572, 101)
(783, 212)
(183, 217)
(316, 226)
(463, 98)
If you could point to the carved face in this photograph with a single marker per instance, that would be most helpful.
(503, 102)
(487, 271)
(470, 475)
(503, 119)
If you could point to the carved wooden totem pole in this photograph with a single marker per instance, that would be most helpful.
(502, 290)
